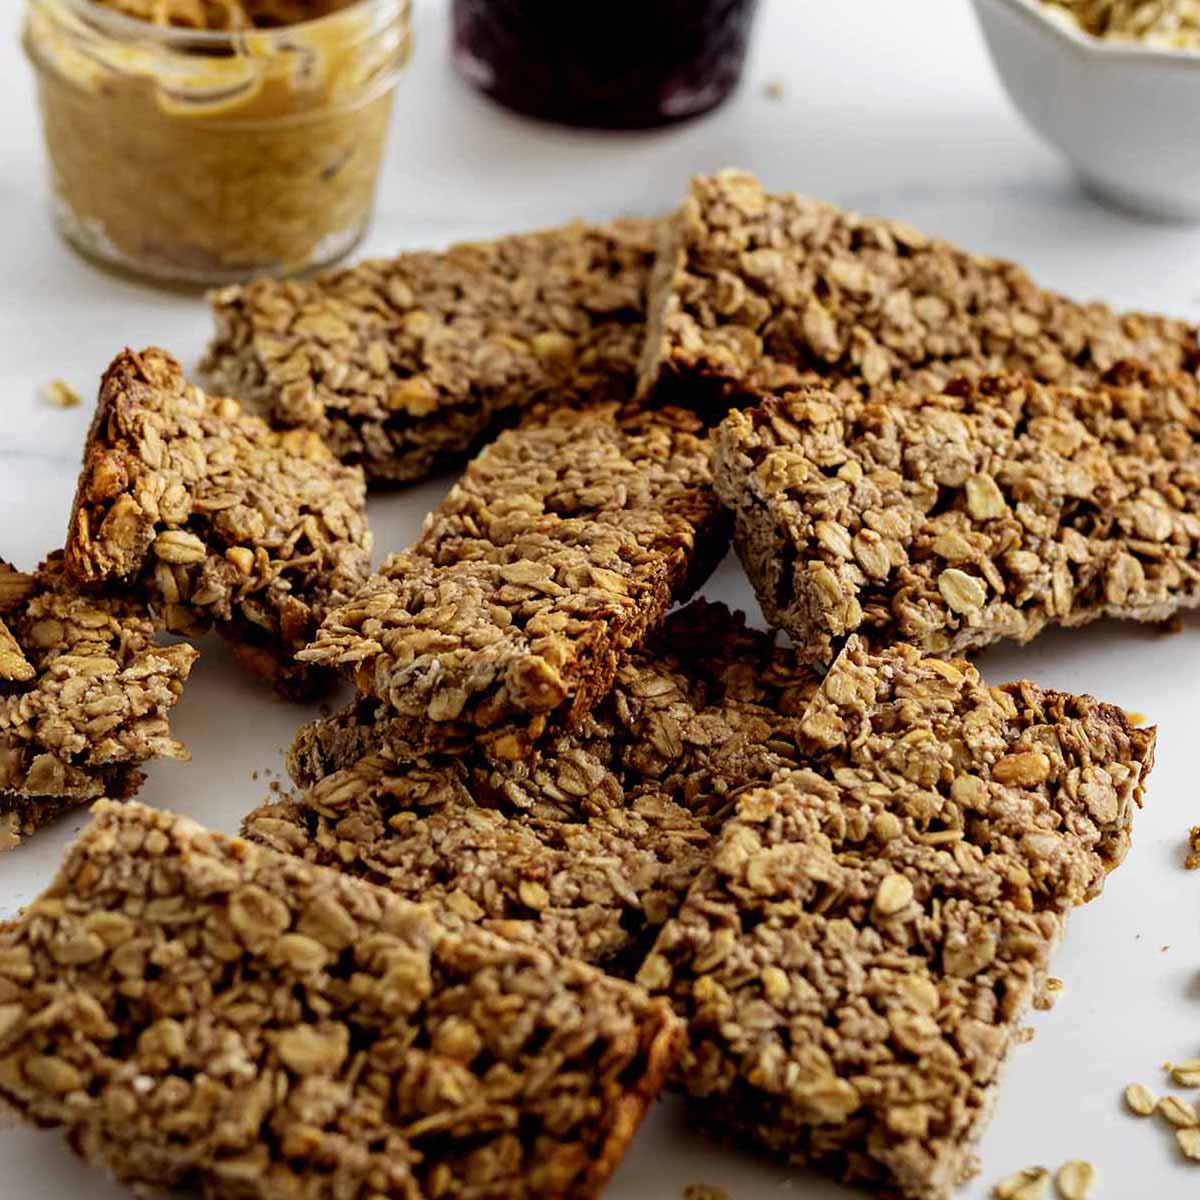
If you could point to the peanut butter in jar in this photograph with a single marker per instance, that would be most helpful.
(211, 140)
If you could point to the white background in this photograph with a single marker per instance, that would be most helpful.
(888, 107)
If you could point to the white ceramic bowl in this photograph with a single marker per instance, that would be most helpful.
(1126, 116)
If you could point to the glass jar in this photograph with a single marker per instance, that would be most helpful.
(208, 156)
(624, 64)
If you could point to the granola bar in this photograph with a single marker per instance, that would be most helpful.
(776, 291)
(705, 706)
(988, 511)
(596, 888)
(215, 519)
(402, 365)
(855, 959)
(590, 843)
(565, 542)
(196, 1010)
(84, 697)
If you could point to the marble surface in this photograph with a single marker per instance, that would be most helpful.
(891, 108)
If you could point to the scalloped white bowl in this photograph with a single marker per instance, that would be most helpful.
(1126, 117)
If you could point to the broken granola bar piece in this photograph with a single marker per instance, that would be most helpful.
(954, 520)
(590, 843)
(854, 961)
(596, 888)
(84, 697)
(216, 519)
(775, 291)
(703, 707)
(403, 365)
(197, 1010)
(565, 542)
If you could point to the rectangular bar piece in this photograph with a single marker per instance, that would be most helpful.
(591, 843)
(564, 543)
(753, 290)
(597, 888)
(854, 961)
(402, 365)
(194, 1010)
(85, 696)
(954, 520)
(216, 520)
(701, 688)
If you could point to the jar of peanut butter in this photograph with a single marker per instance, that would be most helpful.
(210, 140)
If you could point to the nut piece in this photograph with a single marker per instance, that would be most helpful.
(178, 485)
(1074, 1180)
(455, 342)
(1139, 1100)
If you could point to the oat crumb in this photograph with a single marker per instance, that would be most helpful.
(704, 1191)
(1193, 858)
(773, 89)
(1139, 1099)
(1048, 995)
(1032, 1183)
(1180, 1112)
(60, 394)
(1074, 1180)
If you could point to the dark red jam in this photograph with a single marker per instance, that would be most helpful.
(608, 64)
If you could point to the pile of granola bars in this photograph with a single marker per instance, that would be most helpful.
(577, 839)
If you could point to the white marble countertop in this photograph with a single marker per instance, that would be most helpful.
(890, 108)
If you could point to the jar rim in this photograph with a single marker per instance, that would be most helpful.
(126, 27)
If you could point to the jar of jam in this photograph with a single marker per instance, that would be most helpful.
(624, 64)
(211, 140)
